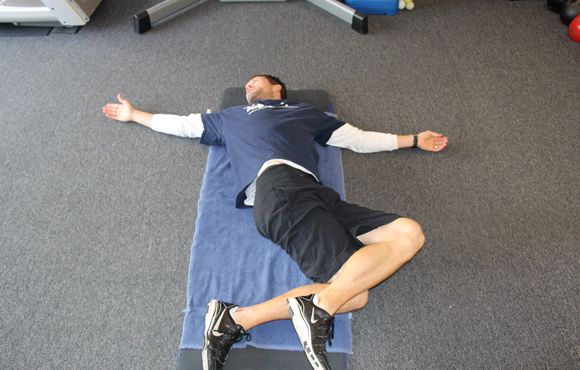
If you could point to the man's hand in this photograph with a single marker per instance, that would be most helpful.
(432, 141)
(121, 112)
(126, 112)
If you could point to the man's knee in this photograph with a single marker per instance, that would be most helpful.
(361, 300)
(410, 234)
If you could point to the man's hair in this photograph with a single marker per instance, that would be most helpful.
(274, 81)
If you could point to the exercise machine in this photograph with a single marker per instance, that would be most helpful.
(47, 13)
(167, 9)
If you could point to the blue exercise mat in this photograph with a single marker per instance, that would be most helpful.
(232, 262)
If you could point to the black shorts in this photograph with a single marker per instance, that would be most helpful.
(310, 221)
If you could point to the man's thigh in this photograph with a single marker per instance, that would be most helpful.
(295, 214)
(318, 243)
(361, 222)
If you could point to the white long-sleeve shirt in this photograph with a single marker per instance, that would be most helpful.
(347, 136)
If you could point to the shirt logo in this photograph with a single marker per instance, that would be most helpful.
(259, 106)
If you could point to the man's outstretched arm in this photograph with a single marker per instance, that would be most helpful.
(126, 112)
(355, 139)
(183, 126)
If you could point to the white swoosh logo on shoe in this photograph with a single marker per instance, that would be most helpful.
(312, 318)
(215, 330)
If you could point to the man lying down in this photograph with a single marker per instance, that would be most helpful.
(344, 248)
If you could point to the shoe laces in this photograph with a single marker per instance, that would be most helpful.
(327, 333)
(231, 338)
(331, 334)
(227, 340)
(242, 333)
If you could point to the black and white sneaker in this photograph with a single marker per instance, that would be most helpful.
(314, 327)
(221, 332)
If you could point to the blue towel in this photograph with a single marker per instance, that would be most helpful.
(230, 261)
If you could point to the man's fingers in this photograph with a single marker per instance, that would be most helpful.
(433, 141)
(439, 146)
(111, 110)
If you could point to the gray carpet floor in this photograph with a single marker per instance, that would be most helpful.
(96, 217)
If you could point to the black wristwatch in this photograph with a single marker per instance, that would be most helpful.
(415, 141)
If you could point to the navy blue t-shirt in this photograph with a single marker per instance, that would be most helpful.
(267, 130)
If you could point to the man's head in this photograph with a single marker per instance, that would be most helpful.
(265, 87)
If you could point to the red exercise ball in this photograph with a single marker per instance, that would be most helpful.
(574, 29)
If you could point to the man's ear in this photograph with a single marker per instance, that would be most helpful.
(278, 89)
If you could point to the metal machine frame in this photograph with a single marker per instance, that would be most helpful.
(167, 9)
(47, 13)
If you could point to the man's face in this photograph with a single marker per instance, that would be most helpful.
(259, 88)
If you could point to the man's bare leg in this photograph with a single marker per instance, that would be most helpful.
(388, 248)
(277, 308)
